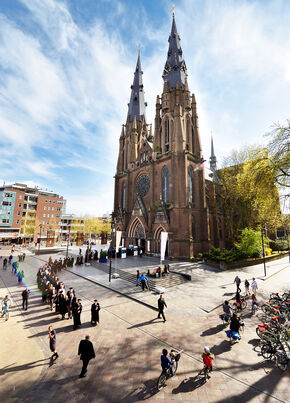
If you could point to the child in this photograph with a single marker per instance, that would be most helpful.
(165, 362)
(254, 303)
(207, 357)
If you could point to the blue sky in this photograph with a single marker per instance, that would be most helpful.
(66, 68)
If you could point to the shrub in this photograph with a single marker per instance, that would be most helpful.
(103, 255)
(279, 245)
(250, 244)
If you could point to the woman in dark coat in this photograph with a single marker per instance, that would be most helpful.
(95, 309)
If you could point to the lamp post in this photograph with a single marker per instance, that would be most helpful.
(67, 242)
(40, 229)
(263, 249)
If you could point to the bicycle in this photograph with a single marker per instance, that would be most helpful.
(205, 372)
(165, 374)
(240, 306)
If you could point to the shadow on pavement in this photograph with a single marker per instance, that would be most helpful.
(148, 322)
(189, 385)
(221, 348)
(213, 330)
(23, 367)
(148, 390)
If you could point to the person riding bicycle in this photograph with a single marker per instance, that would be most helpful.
(207, 358)
(165, 362)
(254, 302)
(228, 311)
(238, 301)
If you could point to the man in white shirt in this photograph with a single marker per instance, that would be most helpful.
(254, 286)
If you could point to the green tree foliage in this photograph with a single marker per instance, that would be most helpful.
(246, 200)
(250, 243)
(96, 226)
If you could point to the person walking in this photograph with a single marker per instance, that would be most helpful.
(86, 353)
(161, 305)
(237, 280)
(77, 310)
(25, 295)
(95, 309)
(52, 342)
(144, 282)
(254, 286)
(247, 286)
(137, 278)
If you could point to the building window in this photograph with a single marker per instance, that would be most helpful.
(52, 208)
(18, 213)
(51, 215)
(6, 203)
(44, 215)
(165, 185)
(49, 201)
(190, 185)
(166, 134)
(48, 208)
(44, 208)
(5, 221)
(188, 131)
(20, 197)
(43, 222)
(47, 215)
(53, 201)
(124, 196)
(17, 221)
(19, 204)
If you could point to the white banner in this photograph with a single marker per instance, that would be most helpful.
(164, 236)
(118, 239)
(148, 246)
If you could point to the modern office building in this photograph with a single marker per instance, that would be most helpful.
(73, 226)
(29, 214)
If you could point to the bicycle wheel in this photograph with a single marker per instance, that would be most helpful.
(244, 304)
(174, 367)
(267, 351)
(161, 381)
(282, 361)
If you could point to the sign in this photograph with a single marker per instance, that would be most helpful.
(148, 246)
(164, 237)
(123, 253)
(118, 239)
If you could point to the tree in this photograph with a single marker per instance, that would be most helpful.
(97, 226)
(246, 200)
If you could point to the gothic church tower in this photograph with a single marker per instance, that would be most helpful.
(161, 186)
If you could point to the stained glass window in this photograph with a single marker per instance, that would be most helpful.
(190, 185)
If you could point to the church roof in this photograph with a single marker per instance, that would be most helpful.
(137, 103)
(175, 67)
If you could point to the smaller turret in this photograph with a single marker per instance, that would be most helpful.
(212, 158)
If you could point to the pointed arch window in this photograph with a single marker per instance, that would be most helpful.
(190, 185)
(188, 131)
(165, 185)
(127, 155)
(166, 132)
(124, 195)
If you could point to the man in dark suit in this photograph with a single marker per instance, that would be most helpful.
(86, 352)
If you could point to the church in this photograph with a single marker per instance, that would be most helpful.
(161, 183)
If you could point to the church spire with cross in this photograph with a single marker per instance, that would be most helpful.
(175, 72)
(137, 103)
(212, 158)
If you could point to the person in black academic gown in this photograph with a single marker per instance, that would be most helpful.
(95, 309)
(77, 309)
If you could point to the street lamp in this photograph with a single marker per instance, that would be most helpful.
(263, 249)
(40, 229)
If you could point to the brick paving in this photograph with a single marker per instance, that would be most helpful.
(128, 343)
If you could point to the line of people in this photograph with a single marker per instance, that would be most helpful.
(65, 303)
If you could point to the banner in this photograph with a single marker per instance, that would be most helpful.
(118, 239)
(148, 246)
(164, 236)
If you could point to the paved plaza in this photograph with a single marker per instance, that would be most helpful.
(129, 339)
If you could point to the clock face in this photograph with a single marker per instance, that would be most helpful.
(142, 185)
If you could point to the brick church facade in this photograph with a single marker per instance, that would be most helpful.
(161, 183)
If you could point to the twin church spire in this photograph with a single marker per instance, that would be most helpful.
(174, 74)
